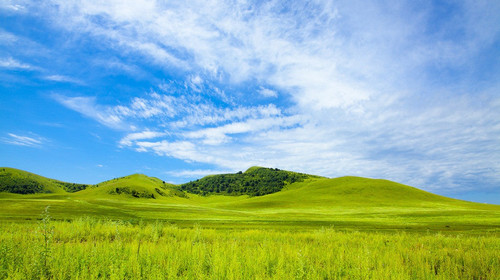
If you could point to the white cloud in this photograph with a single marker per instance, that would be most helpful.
(197, 172)
(185, 111)
(11, 63)
(115, 67)
(184, 150)
(196, 83)
(63, 79)
(219, 135)
(132, 137)
(7, 38)
(160, 55)
(267, 92)
(20, 140)
(13, 6)
(87, 106)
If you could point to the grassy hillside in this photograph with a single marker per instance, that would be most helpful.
(22, 182)
(133, 186)
(346, 192)
(256, 181)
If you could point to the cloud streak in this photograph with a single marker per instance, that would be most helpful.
(20, 140)
(62, 79)
(132, 137)
(11, 63)
(87, 106)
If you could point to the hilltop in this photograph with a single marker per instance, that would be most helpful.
(134, 186)
(256, 181)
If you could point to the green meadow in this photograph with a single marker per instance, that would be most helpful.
(98, 249)
(139, 227)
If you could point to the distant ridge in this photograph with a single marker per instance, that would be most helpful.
(264, 187)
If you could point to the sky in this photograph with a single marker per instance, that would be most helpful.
(407, 91)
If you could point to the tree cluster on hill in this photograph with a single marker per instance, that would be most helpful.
(11, 181)
(133, 192)
(20, 185)
(73, 187)
(254, 182)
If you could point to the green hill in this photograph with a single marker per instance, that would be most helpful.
(134, 186)
(346, 192)
(22, 182)
(256, 181)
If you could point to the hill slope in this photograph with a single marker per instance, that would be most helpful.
(133, 186)
(346, 192)
(22, 182)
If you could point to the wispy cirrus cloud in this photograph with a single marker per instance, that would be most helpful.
(7, 38)
(197, 172)
(13, 6)
(132, 137)
(62, 79)
(33, 141)
(11, 63)
(172, 109)
(267, 92)
(221, 134)
(88, 107)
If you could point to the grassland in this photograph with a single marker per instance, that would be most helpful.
(97, 249)
(138, 227)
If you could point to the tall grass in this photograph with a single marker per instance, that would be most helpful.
(95, 249)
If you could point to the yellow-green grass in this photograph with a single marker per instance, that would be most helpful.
(99, 249)
(344, 203)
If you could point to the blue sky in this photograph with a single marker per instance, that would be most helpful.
(407, 91)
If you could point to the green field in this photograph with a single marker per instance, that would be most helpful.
(139, 227)
(92, 249)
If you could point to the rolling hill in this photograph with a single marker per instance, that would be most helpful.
(347, 191)
(22, 182)
(133, 186)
